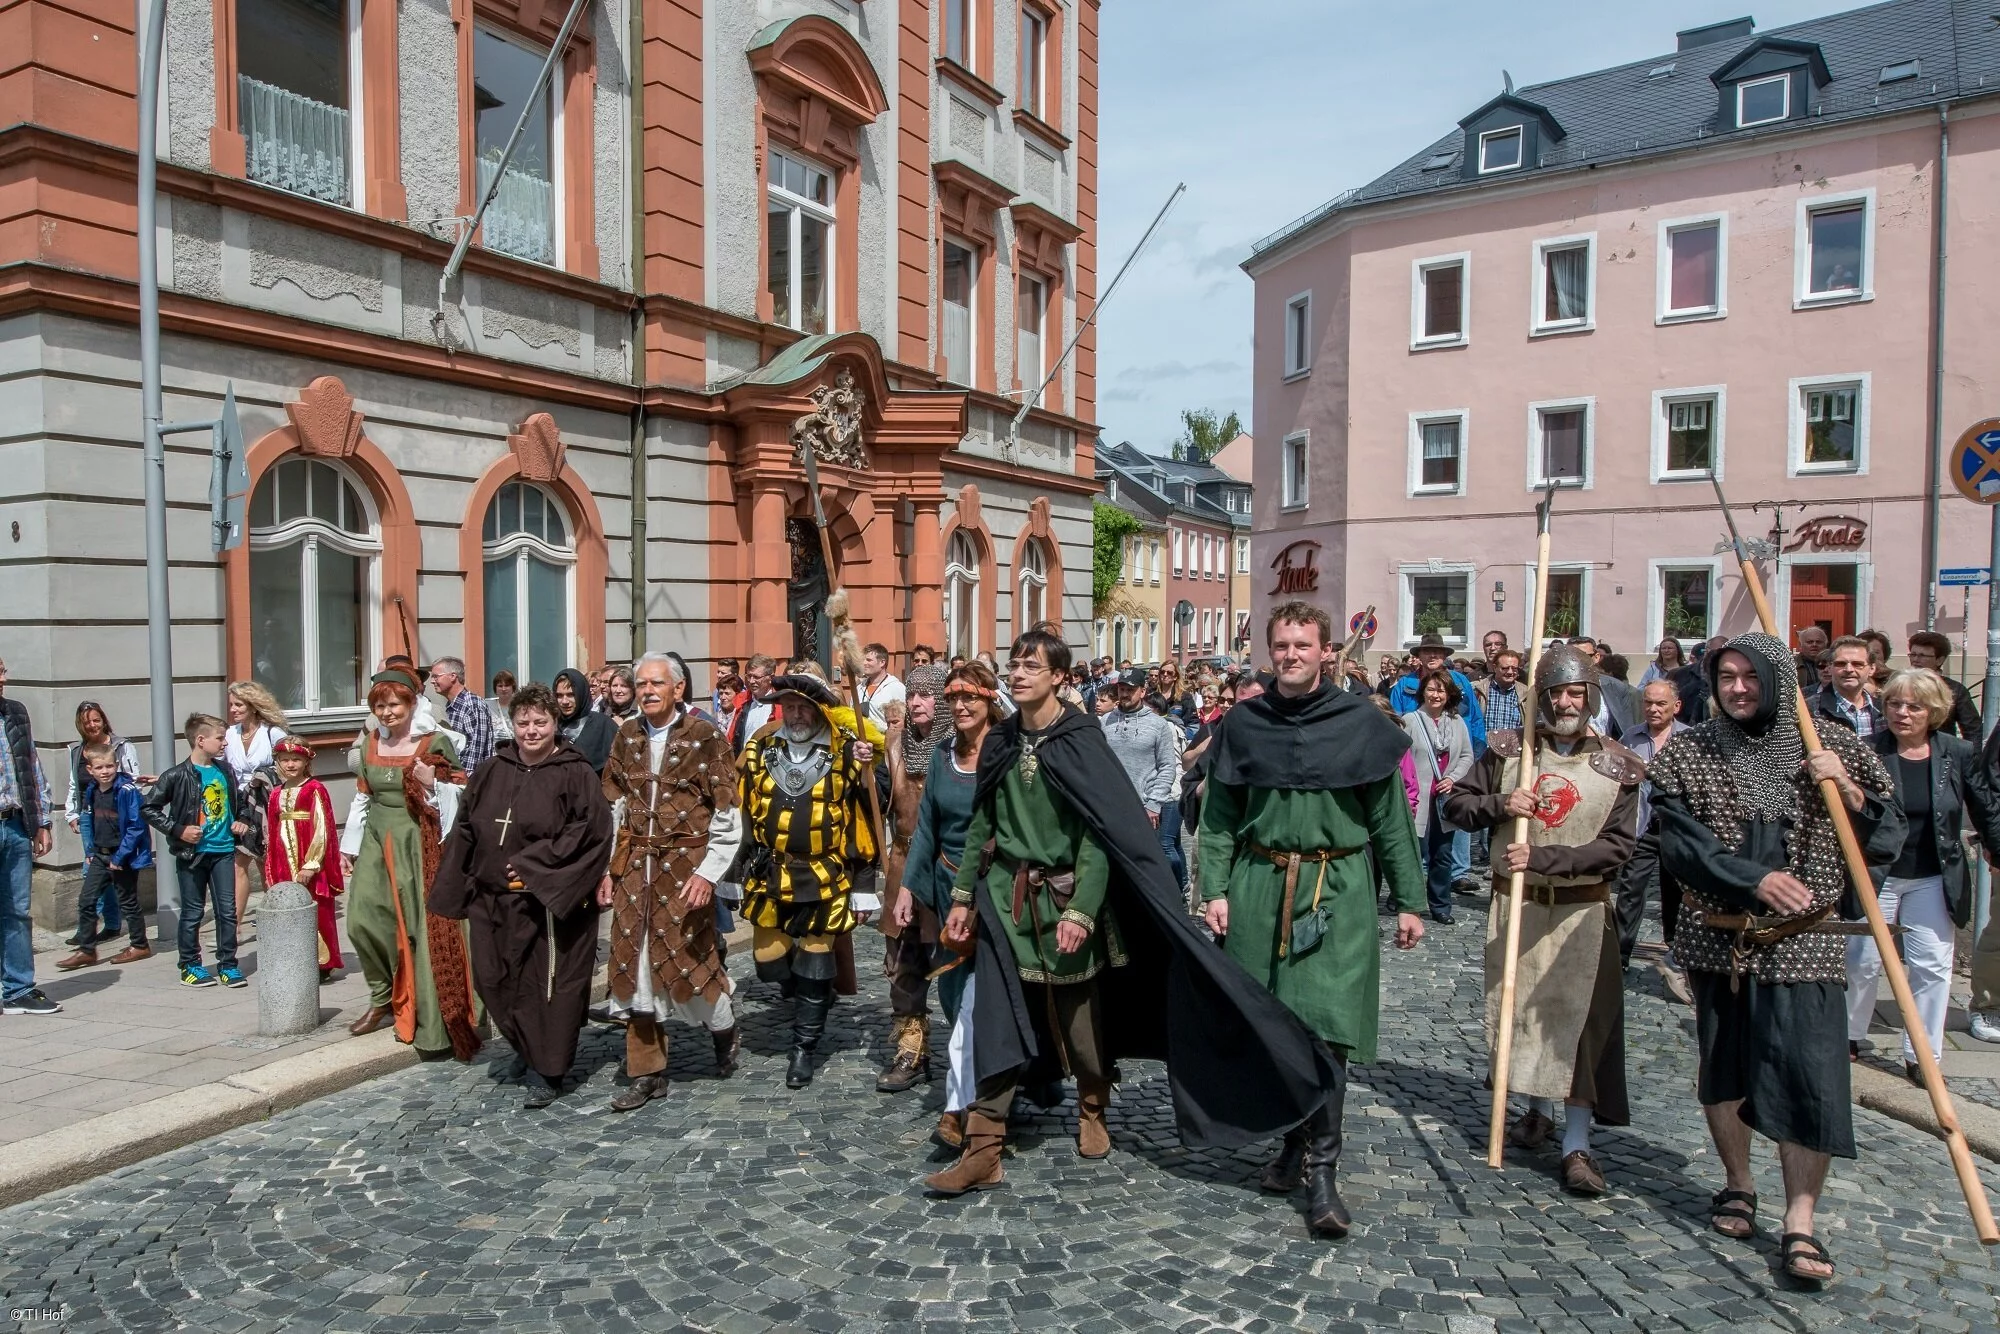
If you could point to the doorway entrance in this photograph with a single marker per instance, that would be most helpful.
(1825, 596)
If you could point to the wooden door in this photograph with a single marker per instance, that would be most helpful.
(1823, 595)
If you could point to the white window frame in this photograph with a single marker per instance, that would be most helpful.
(1766, 80)
(1101, 629)
(1118, 639)
(1414, 480)
(558, 158)
(1864, 404)
(1520, 133)
(518, 547)
(1242, 555)
(1032, 36)
(1656, 594)
(971, 53)
(315, 533)
(1664, 309)
(798, 206)
(1419, 272)
(1298, 340)
(1152, 639)
(1032, 386)
(1179, 541)
(1153, 554)
(1406, 610)
(1802, 297)
(1538, 326)
(1588, 403)
(1287, 499)
(956, 572)
(971, 314)
(1027, 577)
(357, 189)
(1585, 594)
(1718, 419)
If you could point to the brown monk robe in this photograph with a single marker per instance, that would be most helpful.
(522, 865)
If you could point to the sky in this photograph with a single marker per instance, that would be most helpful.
(1269, 108)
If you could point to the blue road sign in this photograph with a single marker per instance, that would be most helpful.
(1965, 576)
(1975, 462)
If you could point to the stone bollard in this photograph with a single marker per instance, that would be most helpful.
(287, 961)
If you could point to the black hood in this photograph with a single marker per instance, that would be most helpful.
(1777, 679)
(581, 685)
(1328, 739)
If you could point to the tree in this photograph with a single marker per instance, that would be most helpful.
(1109, 527)
(1203, 434)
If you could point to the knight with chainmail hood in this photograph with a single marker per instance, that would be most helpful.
(915, 726)
(1583, 817)
(807, 832)
(1746, 835)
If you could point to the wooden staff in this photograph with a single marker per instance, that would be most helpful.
(1878, 926)
(1503, 1034)
(1350, 648)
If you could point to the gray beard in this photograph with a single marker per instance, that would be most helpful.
(802, 735)
(1570, 727)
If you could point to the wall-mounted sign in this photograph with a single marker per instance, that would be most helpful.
(1830, 532)
(1298, 569)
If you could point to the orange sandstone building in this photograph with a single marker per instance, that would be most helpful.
(721, 215)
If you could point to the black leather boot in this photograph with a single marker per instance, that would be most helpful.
(1284, 1172)
(728, 1045)
(810, 1004)
(1326, 1214)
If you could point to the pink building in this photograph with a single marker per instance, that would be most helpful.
(1729, 255)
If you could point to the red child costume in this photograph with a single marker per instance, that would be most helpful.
(302, 845)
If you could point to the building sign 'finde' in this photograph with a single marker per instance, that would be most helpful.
(1297, 569)
(1830, 532)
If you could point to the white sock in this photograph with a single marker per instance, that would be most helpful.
(724, 1017)
(1545, 1106)
(1576, 1130)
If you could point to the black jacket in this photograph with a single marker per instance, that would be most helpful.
(1962, 788)
(174, 802)
(1964, 720)
(1825, 708)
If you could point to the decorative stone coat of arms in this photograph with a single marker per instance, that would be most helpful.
(833, 428)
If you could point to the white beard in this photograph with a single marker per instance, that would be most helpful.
(1570, 727)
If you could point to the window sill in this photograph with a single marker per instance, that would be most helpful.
(1290, 377)
(971, 82)
(1537, 484)
(1557, 330)
(1435, 344)
(1827, 470)
(1817, 300)
(1690, 316)
(1677, 477)
(1295, 506)
(1041, 129)
(1436, 492)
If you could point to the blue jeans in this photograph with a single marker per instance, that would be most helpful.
(17, 927)
(1447, 855)
(209, 877)
(1170, 841)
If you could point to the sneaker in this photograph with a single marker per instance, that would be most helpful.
(1986, 1026)
(196, 976)
(31, 1002)
(233, 977)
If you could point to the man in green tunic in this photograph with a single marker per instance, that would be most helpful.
(1305, 780)
(1047, 877)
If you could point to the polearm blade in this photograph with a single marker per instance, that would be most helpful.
(1503, 1033)
(1878, 926)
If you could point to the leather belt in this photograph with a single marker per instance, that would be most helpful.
(1562, 896)
(1750, 932)
(1061, 882)
(1289, 863)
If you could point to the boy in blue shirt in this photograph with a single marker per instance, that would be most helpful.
(194, 805)
(116, 845)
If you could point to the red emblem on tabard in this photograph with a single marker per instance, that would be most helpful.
(1555, 798)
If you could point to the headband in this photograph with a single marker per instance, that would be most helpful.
(291, 745)
(397, 676)
(967, 688)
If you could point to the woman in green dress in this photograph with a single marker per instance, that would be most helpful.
(406, 795)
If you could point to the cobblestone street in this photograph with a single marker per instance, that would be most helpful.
(427, 1200)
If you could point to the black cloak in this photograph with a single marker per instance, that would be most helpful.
(588, 730)
(1274, 741)
(1242, 1067)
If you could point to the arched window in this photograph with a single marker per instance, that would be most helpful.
(1031, 590)
(961, 595)
(315, 546)
(530, 561)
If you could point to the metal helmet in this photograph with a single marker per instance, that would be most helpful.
(1563, 665)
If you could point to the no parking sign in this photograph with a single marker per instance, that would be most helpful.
(1975, 462)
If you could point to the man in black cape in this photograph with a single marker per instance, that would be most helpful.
(1125, 973)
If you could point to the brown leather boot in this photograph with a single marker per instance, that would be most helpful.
(950, 1130)
(377, 1016)
(1092, 1139)
(978, 1167)
(912, 1063)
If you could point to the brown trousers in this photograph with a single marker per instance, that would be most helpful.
(645, 1046)
(1076, 1014)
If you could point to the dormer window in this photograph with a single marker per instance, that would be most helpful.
(1763, 101)
(1500, 150)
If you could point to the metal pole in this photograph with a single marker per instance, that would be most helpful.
(1982, 899)
(159, 620)
(1934, 489)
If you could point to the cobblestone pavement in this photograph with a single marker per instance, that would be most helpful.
(427, 1201)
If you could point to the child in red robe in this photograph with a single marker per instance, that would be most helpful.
(301, 843)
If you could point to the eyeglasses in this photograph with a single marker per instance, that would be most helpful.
(1027, 665)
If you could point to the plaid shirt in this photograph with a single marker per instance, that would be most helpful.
(1503, 709)
(10, 793)
(466, 715)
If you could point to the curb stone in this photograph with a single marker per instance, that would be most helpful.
(132, 1134)
(1903, 1101)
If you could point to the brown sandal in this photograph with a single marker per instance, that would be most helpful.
(1734, 1206)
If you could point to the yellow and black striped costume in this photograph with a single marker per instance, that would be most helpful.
(813, 837)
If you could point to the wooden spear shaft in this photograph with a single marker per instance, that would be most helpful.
(1878, 926)
(1352, 646)
(1503, 1033)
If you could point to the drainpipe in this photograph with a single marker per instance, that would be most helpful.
(1931, 495)
(635, 269)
